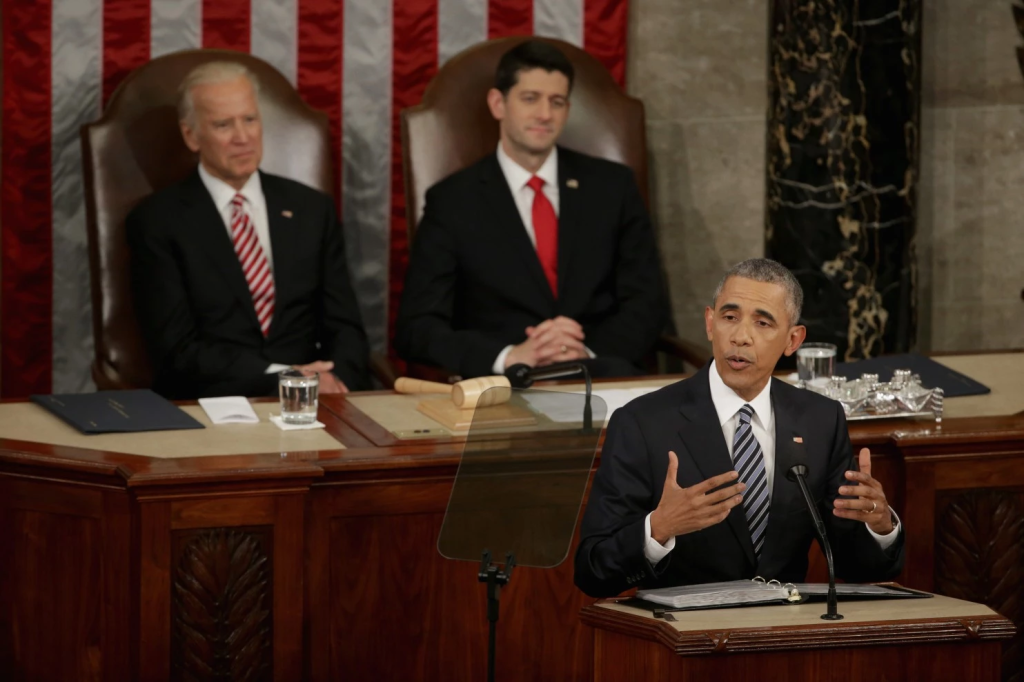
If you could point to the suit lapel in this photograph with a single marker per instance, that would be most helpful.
(209, 232)
(510, 235)
(570, 233)
(702, 435)
(281, 219)
(789, 450)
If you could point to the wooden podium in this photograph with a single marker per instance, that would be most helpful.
(900, 640)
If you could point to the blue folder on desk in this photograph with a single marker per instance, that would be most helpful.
(933, 374)
(117, 411)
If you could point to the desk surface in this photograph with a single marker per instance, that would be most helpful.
(24, 421)
(791, 615)
(357, 443)
(389, 419)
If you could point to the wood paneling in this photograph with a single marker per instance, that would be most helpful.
(63, 583)
(621, 657)
(979, 556)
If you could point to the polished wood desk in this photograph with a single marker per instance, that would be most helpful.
(322, 562)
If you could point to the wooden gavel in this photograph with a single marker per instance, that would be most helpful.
(467, 394)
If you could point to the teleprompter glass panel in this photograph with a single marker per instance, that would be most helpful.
(519, 488)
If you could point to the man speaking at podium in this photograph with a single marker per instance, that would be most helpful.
(692, 485)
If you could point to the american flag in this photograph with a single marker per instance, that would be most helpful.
(360, 61)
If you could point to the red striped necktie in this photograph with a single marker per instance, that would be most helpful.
(254, 262)
(545, 230)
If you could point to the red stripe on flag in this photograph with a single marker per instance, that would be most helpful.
(510, 18)
(320, 24)
(26, 214)
(414, 65)
(604, 34)
(227, 24)
(125, 40)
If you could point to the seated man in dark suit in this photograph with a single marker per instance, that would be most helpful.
(692, 485)
(237, 274)
(535, 254)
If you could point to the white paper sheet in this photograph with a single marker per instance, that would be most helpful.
(553, 405)
(229, 410)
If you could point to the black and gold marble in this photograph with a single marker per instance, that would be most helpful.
(842, 167)
(1018, 17)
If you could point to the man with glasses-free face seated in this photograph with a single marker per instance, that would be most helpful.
(536, 254)
(236, 273)
(692, 485)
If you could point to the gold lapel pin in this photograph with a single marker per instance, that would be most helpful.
(286, 214)
(571, 183)
(798, 439)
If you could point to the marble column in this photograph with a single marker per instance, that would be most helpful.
(842, 165)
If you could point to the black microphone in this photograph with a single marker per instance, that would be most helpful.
(797, 473)
(523, 376)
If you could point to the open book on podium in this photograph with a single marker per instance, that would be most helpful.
(758, 591)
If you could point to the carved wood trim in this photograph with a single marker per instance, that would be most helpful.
(823, 636)
(979, 556)
(221, 594)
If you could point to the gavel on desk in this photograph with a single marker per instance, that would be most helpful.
(467, 394)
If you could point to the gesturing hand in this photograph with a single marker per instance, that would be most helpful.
(870, 506)
(685, 510)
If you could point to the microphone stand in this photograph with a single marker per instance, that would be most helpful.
(797, 473)
(523, 376)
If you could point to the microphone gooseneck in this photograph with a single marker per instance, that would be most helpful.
(523, 376)
(798, 473)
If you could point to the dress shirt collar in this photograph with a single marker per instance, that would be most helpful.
(728, 403)
(517, 176)
(223, 193)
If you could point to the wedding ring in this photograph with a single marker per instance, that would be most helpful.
(564, 348)
(874, 506)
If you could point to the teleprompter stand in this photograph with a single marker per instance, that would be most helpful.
(495, 579)
(518, 491)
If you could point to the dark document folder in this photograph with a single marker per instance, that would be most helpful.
(932, 373)
(117, 411)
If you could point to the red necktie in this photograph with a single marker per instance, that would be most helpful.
(254, 262)
(545, 230)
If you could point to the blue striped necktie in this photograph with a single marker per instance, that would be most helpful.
(749, 462)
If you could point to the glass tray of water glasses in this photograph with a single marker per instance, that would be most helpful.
(869, 398)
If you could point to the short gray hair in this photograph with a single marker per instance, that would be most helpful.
(205, 74)
(770, 272)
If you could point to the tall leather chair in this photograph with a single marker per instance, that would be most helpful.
(452, 128)
(135, 149)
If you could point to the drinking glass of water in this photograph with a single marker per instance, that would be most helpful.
(816, 361)
(299, 395)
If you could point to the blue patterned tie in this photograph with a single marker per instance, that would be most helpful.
(749, 462)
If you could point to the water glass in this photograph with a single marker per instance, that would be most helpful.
(299, 396)
(816, 361)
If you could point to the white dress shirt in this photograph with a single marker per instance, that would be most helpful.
(517, 178)
(727, 405)
(255, 205)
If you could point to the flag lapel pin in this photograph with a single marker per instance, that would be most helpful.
(286, 214)
(572, 183)
(798, 439)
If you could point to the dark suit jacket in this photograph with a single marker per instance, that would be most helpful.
(682, 418)
(475, 283)
(195, 308)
